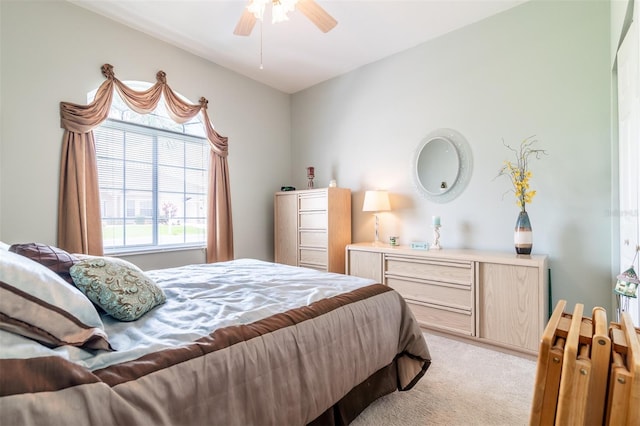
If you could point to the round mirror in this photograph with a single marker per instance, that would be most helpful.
(442, 165)
(437, 166)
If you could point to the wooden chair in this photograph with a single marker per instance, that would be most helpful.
(549, 367)
(600, 357)
(572, 369)
(585, 369)
(623, 402)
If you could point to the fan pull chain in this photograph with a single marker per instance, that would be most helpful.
(261, 67)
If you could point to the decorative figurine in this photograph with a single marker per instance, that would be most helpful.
(436, 233)
(310, 176)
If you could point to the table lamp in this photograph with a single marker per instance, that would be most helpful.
(376, 201)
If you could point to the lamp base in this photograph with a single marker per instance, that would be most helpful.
(376, 239)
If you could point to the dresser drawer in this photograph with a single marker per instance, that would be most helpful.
(452, 295)
(322, 268)
(430, 270)
(313, 220)
(442, 318)
(314, 202)
(313, 239)
(314, 257)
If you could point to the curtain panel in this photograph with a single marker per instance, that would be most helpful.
(79, 221)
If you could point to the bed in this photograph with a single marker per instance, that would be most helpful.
(244, 342)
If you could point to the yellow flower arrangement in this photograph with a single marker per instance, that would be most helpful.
(519, 172)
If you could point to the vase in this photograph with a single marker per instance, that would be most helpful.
(523, 236)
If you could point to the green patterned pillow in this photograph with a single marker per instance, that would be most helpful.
(117, 286)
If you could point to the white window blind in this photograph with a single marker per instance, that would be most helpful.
(153, 183)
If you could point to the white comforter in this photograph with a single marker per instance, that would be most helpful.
(238, 292)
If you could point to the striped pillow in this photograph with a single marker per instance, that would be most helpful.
(37, 303)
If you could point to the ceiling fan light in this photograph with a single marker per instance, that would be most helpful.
(278, 13)
(257, 8)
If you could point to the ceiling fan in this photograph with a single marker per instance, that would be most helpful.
(279, 9)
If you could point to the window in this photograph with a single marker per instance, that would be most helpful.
(152, 175)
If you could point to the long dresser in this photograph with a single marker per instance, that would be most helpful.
(496, 298)
(312, 228)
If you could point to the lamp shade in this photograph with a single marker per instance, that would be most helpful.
(376, 201)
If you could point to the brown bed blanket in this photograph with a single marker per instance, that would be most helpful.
(286, 369)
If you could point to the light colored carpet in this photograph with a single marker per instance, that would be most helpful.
(465, 385)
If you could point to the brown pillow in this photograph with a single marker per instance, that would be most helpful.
(54, 258)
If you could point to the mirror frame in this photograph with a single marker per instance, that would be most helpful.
(465, 165)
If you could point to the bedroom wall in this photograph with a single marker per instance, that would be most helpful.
(52, 51)
(621, 15)
(542, 68)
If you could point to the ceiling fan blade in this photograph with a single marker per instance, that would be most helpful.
(317, 15)
(245, 24)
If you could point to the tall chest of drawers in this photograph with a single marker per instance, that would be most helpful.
(312, 228)
(497, 298)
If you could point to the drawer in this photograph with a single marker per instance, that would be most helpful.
(313, 202)
(442, 318)
(314, 257)
(430, 270)
(313, 239)
(316, 267)
(313, 220)
(452, 295)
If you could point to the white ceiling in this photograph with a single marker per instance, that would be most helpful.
(296, 54)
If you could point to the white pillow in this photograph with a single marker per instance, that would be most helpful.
(4, 246)
(37, 303)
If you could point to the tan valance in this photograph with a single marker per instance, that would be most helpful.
(79, 222)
